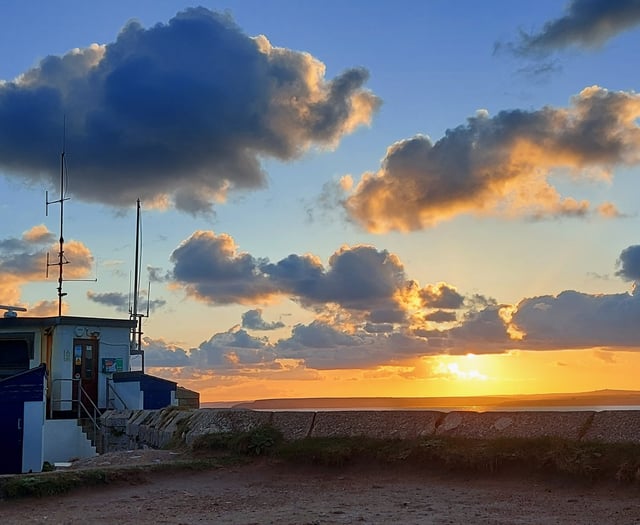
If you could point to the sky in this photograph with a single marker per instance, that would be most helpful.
(339, 199)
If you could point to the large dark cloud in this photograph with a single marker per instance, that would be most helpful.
(586, 24)
(181, 111)
(501, 165)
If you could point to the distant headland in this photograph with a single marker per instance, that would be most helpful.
(597, 398)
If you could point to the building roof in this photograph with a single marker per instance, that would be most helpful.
(64, 320)
(139, 376)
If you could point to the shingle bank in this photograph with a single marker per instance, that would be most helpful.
(130, 429)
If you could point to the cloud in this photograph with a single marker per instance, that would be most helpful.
(123, 302)
(368, 313)
(119, 301)
(441, 296)
(211, 269)
(440, 316)
(253, 320)
(234, 349)
(568, 321)
(501, 165)
(585, 24)
(378, 328)
(180, 113)
(158, 353)
(23, 260)
(578, 320)
(629, 264)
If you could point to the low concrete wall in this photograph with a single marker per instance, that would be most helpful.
(131, 429)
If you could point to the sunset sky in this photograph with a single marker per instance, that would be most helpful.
(364, 198)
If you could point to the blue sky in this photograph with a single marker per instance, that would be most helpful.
(339, 198)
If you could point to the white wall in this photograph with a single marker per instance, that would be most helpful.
(112, 343)
(62, 367)
(130, 393)
(33, 439)
(64, 441)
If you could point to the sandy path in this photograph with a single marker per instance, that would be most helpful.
(276, 494)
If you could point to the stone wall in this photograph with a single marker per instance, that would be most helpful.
(131, 429)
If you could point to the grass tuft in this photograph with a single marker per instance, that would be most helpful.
(260, 441)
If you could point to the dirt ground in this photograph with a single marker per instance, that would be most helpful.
(268, 493)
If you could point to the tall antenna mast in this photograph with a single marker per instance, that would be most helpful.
(61, 258)
(136, 335)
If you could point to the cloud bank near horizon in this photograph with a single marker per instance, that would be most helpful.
(177, 121)
(396, 322)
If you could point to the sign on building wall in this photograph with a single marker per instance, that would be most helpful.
(112, 364)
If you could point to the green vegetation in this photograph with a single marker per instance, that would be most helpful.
(63, 481)
(260, 441)
(589, 461)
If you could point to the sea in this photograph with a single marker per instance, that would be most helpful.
(461, 408)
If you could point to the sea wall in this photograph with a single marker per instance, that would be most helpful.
(131, 429)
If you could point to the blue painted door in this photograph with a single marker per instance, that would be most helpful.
(11, 427)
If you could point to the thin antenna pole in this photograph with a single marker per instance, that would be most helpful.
(136, 276)
(61, 251)
(136, 337)
(61, 259)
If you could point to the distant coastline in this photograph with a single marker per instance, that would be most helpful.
(595, 400)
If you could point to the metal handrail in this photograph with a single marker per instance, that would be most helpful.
(94, 418)
(81, 406)
(113, 390)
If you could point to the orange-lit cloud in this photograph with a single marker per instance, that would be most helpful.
(501, 165)
(23, 260)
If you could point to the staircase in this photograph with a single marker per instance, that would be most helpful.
(88, 429)
(65, 439)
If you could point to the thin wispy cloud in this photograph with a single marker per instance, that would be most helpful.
(586, 24)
